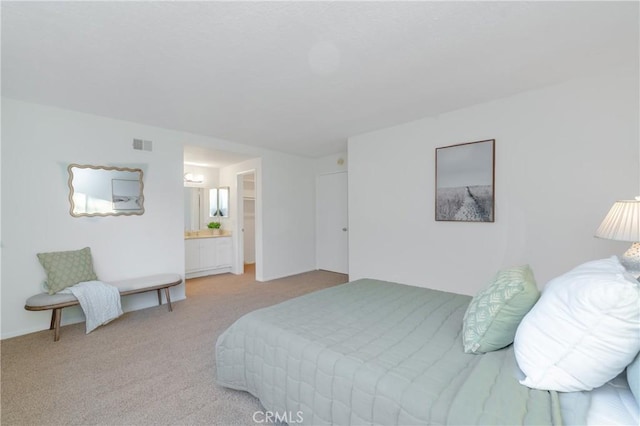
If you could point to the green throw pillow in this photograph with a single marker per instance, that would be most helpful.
(494, 314)
(67, 268)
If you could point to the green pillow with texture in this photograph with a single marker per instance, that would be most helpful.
(493, 316)
(67, 268)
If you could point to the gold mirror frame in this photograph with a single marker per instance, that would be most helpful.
(105, 191)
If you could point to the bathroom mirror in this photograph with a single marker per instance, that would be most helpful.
(213, 202)
(105, 191)
(193, 197)
(223, 201)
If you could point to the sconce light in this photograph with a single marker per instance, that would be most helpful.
(193, 178)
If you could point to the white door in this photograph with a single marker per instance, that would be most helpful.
(331, 223)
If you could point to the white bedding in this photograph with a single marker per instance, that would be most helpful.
(613, 404)
(610, 404)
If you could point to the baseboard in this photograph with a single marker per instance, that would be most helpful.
(277, 277)
(206, 273)
(74, 315)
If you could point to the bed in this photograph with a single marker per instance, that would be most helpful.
(376, 352)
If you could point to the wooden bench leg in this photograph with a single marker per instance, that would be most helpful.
(168, 296)
(56, 316)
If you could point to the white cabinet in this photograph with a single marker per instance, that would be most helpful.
(224, 252)
(208, 256)
(192, 255)
(208, 253)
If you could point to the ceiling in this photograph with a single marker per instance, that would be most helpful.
(300, 77)
(205, 157)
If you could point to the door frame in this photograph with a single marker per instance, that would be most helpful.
(239, 226)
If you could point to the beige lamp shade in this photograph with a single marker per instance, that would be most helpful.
(622, 223)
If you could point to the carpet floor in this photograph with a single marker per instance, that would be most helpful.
(148, 367)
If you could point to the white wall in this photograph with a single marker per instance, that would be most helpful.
(288, 215)
(332, 163)
(285, 213)
(564, 154)
(38, 145)
(39, 142)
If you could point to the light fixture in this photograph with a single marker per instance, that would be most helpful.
(622, 223)
(193, 178)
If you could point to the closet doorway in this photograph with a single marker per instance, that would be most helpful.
(247, 241)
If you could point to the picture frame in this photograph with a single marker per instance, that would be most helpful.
(125, 194)
(465, 182)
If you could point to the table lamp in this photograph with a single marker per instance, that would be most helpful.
(622, 223)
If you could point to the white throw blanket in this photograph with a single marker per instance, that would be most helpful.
(99, 301)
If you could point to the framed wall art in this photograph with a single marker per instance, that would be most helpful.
(125, 194)
(465, 180)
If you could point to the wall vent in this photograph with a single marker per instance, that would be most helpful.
(142, 145)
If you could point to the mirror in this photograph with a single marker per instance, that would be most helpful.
(192, 200)
(219, 202)
(105, 191)
(213, 202)
(223, 201)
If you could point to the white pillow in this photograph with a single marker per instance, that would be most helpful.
(584, 330)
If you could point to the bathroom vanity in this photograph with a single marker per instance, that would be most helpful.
(207, 254)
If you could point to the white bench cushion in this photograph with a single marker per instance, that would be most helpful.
(46, 299)
(145, 282)
(134, 284)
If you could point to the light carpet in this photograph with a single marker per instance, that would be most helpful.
(148, 367)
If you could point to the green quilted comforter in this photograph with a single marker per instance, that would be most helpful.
(374, 352)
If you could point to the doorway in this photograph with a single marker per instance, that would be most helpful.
(247, 199)
(217, 169)
(332, 236)
(249, 218)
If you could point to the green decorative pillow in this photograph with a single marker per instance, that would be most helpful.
(67, 268)
(494, 314)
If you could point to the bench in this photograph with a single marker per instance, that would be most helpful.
(58, 301)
